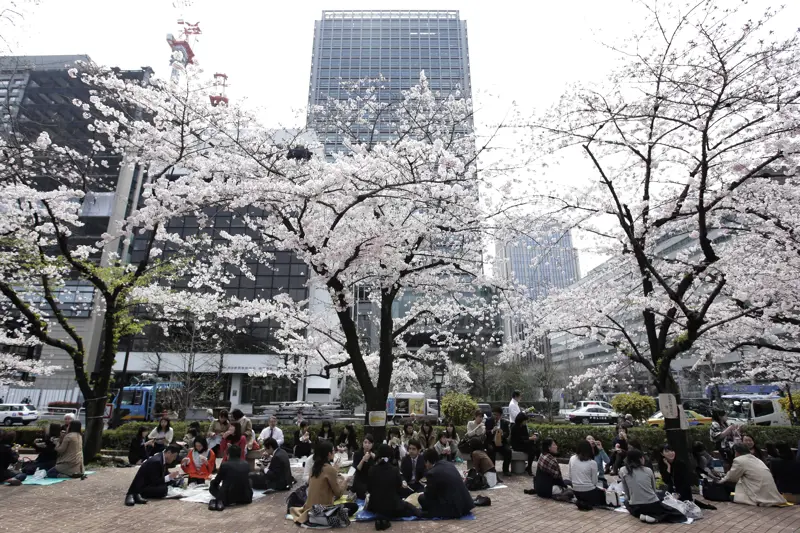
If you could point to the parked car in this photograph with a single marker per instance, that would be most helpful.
(694, 419)
(758, 410)
(593, 403)
(18, 413)
(593, 414)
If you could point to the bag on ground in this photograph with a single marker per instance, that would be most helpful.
(692, 510)
(612, 498)
(671, 501)
(716, 492)
(475, 480)
(332, 516)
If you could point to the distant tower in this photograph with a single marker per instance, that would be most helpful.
(221, 81)
(183, 47)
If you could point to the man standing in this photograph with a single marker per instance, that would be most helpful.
(445, 494)
(272, 431)
(153, 478)
(278, 475)
(232, 484)
(497, 433)
(513, 406)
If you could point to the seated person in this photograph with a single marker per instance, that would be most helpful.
(639, 484)
(153, 477)
(754, 482)
(160, 437)
(394, 440)
(446, 448)
(326, 433)
(200, 461)
(523, 441)
(272, 431)
(70, 453)
(234, 436)
(278, 474)
(302, 441)
(363, 460)
(481, 461)
(785, 469)
(137, 451)
(585, 477)
(548, 481)
(704, 462)
(245, 427)
(218, 427)
(48, 456)
(325, 485)
(231, 486)
(8, 458)
(412, 468)
(676, 476)
(386, 487)
(445, 494)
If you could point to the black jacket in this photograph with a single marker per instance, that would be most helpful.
(361, 477)
(8, 457)
(678, 479)
(786, 475)
(384, 486)
(445, 496)
(232, 484)
(150, 474)
(136, 451)
(520, 438)
(504, 426)
(301, 449)
(405, 468)
(279, 470)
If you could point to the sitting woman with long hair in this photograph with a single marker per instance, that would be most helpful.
(642, 500)
(235, 437)
(199, 463)
(70, 453)
(363, 460)
(585, 477)
(325, 485)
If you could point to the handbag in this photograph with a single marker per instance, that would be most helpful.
(475, 480)
(716, 492)
(332, 516)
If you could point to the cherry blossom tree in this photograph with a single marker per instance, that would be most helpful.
(683, 143)
(154, 128)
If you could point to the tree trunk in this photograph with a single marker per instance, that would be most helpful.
(376, 401)
(677, 438)
(93, 436)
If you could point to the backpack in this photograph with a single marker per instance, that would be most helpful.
(475, 480)
(298, 497)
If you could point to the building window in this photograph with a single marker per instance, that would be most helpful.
(260, 391)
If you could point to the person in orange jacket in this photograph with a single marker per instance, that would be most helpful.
(199, 464)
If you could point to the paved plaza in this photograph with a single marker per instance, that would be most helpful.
(95, 505)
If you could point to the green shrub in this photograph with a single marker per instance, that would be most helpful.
(784, 401)
(458, 408)
(640, 407)
(351, 396)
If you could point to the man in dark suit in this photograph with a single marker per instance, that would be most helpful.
(232, 484)
(278, 475)
(153, 477)
(413, 467)
(494, 426)
(445, 494)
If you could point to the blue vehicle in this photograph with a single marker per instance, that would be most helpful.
(139, 402)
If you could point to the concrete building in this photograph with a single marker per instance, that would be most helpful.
(36, 95)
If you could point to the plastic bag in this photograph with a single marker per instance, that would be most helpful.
(692, 510)
(41, 473)
(616, 487)
(675, 503)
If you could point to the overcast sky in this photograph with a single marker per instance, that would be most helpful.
(522, 51)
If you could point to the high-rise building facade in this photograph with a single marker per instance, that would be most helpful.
(390, 45)
(541, 263)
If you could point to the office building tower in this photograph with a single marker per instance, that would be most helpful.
(391, 45)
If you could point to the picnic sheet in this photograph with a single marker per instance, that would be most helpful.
(367, 516)
(624, 510)
(43, 482)
(200, 494)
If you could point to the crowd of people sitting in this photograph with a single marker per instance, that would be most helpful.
(59, 453)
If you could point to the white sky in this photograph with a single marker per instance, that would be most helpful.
(523, 51)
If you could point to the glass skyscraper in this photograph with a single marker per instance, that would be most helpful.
(542, 263)
(393, 46)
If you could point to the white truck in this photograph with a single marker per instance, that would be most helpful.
(756, 409)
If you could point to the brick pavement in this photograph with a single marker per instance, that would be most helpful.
(95, 505)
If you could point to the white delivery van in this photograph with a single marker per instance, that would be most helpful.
(758, 410)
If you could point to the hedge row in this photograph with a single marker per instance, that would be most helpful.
(567, 436)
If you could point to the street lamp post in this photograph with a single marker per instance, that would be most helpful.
(438, 379)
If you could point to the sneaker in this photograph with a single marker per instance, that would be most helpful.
(647, 518)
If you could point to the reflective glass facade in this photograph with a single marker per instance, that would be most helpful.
(542, 263)
(390, 45)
